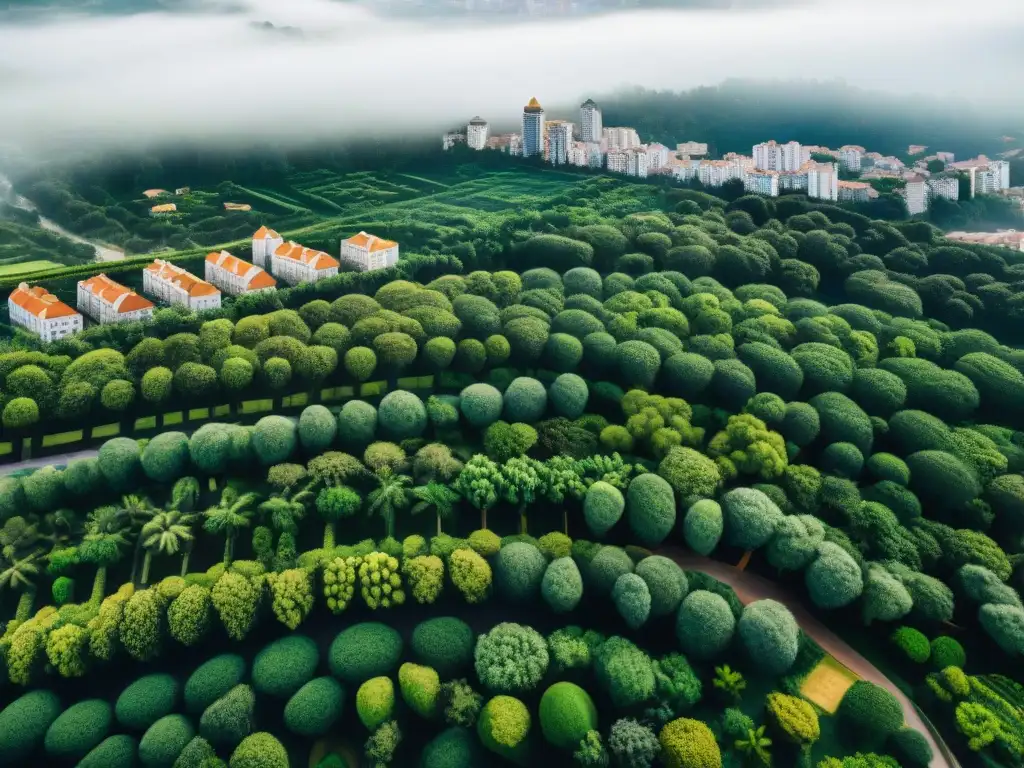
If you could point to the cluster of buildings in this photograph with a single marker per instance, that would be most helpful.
(39, 312)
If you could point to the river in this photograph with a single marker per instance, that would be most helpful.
(103, 252)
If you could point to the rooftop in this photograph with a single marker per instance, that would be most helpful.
(188, 282)
(478, 121)
(37, 301)
(123, 299)
(236, 266)
(263, 232)
(370, 243)
(165, 208)
(533, 106)
(315, 259)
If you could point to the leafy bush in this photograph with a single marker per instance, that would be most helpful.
(285, 665)
(236, 599)
(357, 424)
(402, 415)
(834, 578)
(650, 509)
(481, 404)
(273, 439)
(146, 700)
(511, 658)
(690, 473)
(770, 636)
(444, 643)
(913, 644)
(375, 701)
(632, 745)
(605, 569)
(870, 713)
(315, 707)
(292, 592)
(666, 583)
(78, 729)
(750, 518)
(25, 721)
(113, 752)
(259, 750)
(317, 429)
(562, 585)
(704, 624)
(164, 741)
(569, 395)
(947, 652)
(910, 747)
(632, 599)
(566, 714)
(452, 748)
(703, 526)
(625, 672)
(503, 727)
(229, 719)
(363, 651)
(689, 743)
(794, 717)
(211, 680)
(470, 574)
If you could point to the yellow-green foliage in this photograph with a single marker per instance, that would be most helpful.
(689, 743)
(420, 688)
(103, 626)
(795, 717)
(28, 646)
(949, 684)
(746, 446)
(426, 578)
(340, 582)
(292, 591)
(66, 649)
(380, 582)
(503, 726)
(236, 598)
(485, 543)
(142, 624)
(375, 701)
(188, 616)
(471, 574)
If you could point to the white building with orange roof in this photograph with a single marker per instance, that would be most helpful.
(108, 302)
(40, 312)
(174, 285)
(234, 276)
(366, 252)
(296, 264)
(264, 242)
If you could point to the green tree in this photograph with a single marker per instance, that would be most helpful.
(437, 497)
(233, 513)
(755, 746)
(730, 682)
(389, 497)
(166, 534)
(19, 574)
(334, 503)
(479, 483)
(103, 545)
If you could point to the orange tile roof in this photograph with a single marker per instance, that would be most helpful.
(39, 302)
(316, 259)
(123, 299)
(165, 208)
(263, 232)
(154, 192)
(191, 284)
(237, 207)
(370, 243)
(237, 266)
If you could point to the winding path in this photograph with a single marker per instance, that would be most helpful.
(750, 587)
(57, 459)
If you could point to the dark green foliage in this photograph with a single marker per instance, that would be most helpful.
(213, 679)
(877, 391)
(511, 658)
(605, 569)
(947, 652)
(750, 517)
(949, 395)
(401, 415)
(481, 404)
(733, 384)
(885, 466)
(164, 741)
(285, 665)
(942, 478)
(703, 526)
(625, 672)
(870, 712)
(444, 643)
(166, 457)
(113, 752)
(650, 509)
(146, 700)
(518, 571)
(79, 729)
(801, 424)
(569, 394)
(704, 624)
(825, 368)
(834, 579)
(843, 421)
(315, 707)
(910, 747)
(363, 651)
(273, 439)
(317, 429)
(525, 400)
(913, 643)
(119, 461)
(230, 718)
(566, 714)
(25, 722)
(1000, 385)
(687, 375)
(770, 635)
(632, 600)
(842, 459)
(452, 748)
(665, 582)
(562, 585)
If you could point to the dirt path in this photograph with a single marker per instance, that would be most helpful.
(750, 587)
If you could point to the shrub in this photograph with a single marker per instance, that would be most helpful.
(870, 712)
(113, 752)
(842, 420)
(375, 701)
(259, 750)
(632, 599)
(910, 748)
(704, 624)
(690, 473)
(632, 745)
(119, 461)
(315, 707)
(666, 583)
(947, 652)
(452, 748)
(365, 650)
(481, 404)
(511, 658)
(25, 721)
(770, 636)
(834, 578)
(78, 729)
(211, 680)
(21, 413)
(843, 460)
(166, 457)
(942, 478)
(236, 599)
(503, 727)
(525, 400)
(825, 368)
(562, 585)
(625, 672)
(638, 363)
(164, 741)
(518, 571)
(444, 643)
(229, 719)
(1005, 625)
(470, 574)
(877, 391)
(703, 526)
(885, 466)
(689, 743)
(402, 415)
(285, 665)
(554, 545)
(750, 518)
(605, 569)
(357, 423)
(273, 439)
(650, 509)
(360, 363)
(569, 395)
(912, 643)
(317, 429)
(566, 714)
(795, 718)
(146, 700)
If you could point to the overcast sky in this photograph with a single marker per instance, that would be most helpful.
(119, 81)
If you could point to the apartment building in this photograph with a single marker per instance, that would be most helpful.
(174, 285)
(42, 314)
(106, 301)
(234, 276)
(366, 252)
(296, 264)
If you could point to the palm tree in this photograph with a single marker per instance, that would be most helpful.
(138, 511)
(185, 494)
(756, 746)
(227, 518)
(730, 682)
(61, 528)
(20, 575)
(165, 534)
(103, 545)
(17, 537)
(436, 496)
(389, 497)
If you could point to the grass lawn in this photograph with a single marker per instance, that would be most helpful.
(827, 683)
(27, 267)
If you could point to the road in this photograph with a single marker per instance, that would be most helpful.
(60, 459)
(750, 587)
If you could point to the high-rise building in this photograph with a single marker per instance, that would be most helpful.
(559, 141)
(476, 133)
(854, 192)
(637, 162)
(823, 181)
(946, 187)
(692, 148)
(850, 158)
(657, 156)
(590, 122)
(916, 195)
(772, 156)
(533, 129)
(620, 138)
(762, 183)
